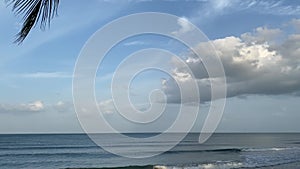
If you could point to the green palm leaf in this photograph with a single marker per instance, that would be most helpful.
(33, 11)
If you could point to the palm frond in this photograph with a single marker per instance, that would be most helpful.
(33, 11)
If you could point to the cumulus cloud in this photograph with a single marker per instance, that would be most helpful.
(262, 34)
(254, 63)
(36, 106)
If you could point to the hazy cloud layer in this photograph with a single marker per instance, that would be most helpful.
(45, 75)
(35, 106)
(62, 106)
(296, 24)
(107, 106)
(263, 62)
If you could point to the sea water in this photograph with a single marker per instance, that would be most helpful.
(78, 151)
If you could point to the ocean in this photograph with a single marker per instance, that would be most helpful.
(222, 151)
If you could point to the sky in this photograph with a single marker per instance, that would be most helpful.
(258, 43)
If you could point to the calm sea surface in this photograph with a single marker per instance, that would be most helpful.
(78, 151)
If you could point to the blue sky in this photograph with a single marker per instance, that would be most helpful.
(263, 87)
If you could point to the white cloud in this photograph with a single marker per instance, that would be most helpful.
(185, 26)
(213, 8)
(266, 7)
(254, 64)
(220, 5)
(216, 7)
(133, 43)
(35, 106)
(107, 106)
(278, 8)
(261, 35)
(62, 106)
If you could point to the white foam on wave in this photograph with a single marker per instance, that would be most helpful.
(160, 167)
(221, 165)
(217, 165)
(272, 149)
